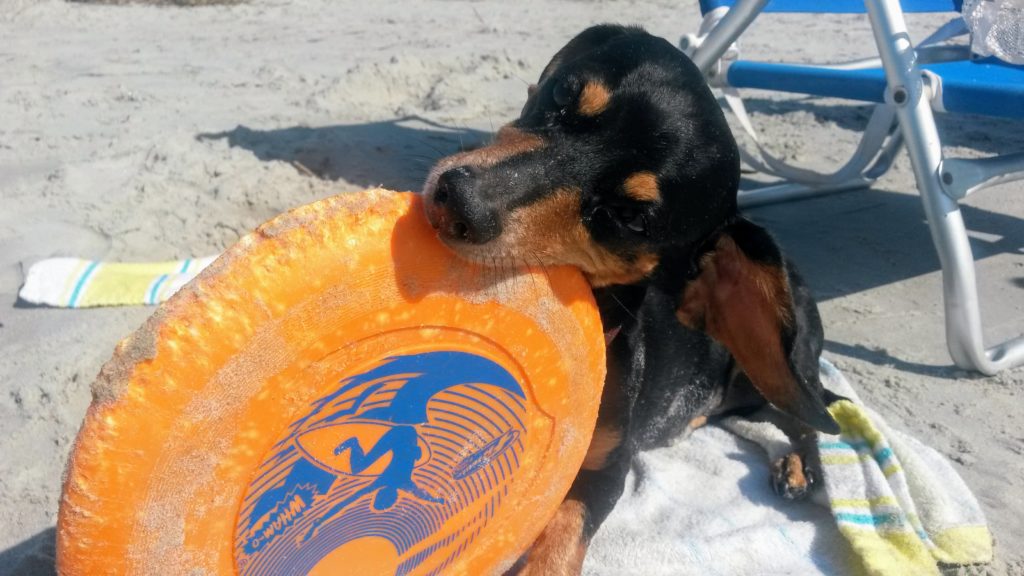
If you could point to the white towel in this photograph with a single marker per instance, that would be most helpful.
(705, 506)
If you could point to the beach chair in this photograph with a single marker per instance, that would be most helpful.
(907, 83)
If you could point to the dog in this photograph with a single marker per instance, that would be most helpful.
(622, 165)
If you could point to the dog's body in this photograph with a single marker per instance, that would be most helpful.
(622, 164)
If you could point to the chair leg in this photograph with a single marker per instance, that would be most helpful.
(963, 316)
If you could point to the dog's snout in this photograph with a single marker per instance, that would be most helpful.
(465, 217)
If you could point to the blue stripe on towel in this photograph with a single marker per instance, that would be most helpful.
(154, 290)
(881, 456)
(81, 283)
(184, 267)
(835, 445)
(890, 520)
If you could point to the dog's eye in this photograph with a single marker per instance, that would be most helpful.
(563, 92)
(600, 216)
(638, 224)
(633, 219)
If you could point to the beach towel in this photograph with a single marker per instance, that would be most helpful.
(78, 283)
(890, 505)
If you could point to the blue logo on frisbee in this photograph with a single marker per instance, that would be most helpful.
(389, 456)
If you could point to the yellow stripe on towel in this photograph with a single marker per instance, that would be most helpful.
(125, 283)
(864, 502)
(77, 283)
(890, 553)
(963, 545)
(866, 473)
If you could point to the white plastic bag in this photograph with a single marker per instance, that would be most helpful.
(997, 28)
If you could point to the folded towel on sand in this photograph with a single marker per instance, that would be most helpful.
(77, 283)
(705, 505)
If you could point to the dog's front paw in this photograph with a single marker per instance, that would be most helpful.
(792, 478)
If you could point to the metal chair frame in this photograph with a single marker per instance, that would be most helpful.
(911, 94)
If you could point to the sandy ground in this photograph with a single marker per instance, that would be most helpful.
(146, 133)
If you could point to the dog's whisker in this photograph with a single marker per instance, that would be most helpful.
(544, 269)
(426, 143)
(420, 162)
(539, 265)
(495, 270)
(517, 272)
(623, 306)
(414, 156)
(505, 276)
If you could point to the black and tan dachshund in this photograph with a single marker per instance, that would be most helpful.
(622, 165)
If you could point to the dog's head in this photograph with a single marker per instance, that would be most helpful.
(620, 151)
(622, 164)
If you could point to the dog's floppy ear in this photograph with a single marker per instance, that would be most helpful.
(745, 297)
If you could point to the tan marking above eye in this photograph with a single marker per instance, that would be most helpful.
(594, 98)
(643, 187)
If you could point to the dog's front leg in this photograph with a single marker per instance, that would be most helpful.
(562, 546)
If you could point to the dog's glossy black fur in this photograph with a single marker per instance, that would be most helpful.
(622, 164)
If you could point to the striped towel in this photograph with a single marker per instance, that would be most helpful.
(900, 504)
(705, 505)
(77, 283)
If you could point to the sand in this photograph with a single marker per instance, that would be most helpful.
(153, 132)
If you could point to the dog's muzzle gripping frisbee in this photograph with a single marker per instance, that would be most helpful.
(337, 394)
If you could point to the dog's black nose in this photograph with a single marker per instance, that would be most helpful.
(466, 217)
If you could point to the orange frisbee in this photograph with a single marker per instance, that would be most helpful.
(337, 394)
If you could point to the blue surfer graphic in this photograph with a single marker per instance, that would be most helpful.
(407, 408)
(374, 419)
(401, 443)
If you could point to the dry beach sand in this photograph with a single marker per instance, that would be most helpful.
(148, 133)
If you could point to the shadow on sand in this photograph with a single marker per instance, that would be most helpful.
(396, 153)
(985, 134)
(34, 556)
(852, 242)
